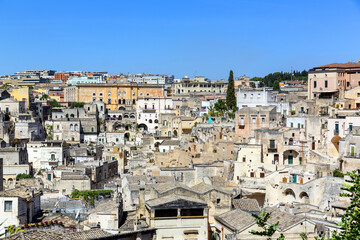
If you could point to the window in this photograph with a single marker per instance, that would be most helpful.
(94, 94)
(71, 127)
(326, 83)
(272, 144)
(147, 94)
(292, 125)
(314, 84)
(262, 120)
(8, 206)
(100, 94)
(298, 125)
(352, 150)
(242, 121)
(53, 156)
(145, 106)
(109, 101)
(253, 120)
(76, 127)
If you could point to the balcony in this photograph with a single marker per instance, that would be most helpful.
(272, 150)
(241, 126)
(352, 155)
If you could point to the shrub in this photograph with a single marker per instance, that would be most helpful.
(23, 176)
(338, 173)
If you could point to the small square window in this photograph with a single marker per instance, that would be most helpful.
(8, 206)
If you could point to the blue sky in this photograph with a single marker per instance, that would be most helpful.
(195, 37)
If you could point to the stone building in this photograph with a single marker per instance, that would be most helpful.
(331, 80)
(249, 119)
(177, 217)
(12, 106)
(115, 96)
(48, 154)
(18, 206)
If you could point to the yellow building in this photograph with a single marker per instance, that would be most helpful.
(115, 96)
(23, 81)
(21, 94)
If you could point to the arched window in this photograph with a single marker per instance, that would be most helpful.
(150, 121)
(71, 127)
(72, 115)
(156, 121)
(76, 127)
(123, 101)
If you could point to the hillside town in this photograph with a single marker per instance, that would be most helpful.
(94, 155)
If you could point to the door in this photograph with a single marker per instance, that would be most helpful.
(294, 178)
(290, 159)
(337, 128)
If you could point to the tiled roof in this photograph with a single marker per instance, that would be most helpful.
(203, 188)
(246, 204)
(21, 191)
(68, 221)
(285, 219)
(236, 219)
(88, 234)
(47, 234)
(164, 187)
(172, 198)
(340, 65)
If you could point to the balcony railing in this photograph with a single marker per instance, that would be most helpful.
(353, 155)
(272, 149)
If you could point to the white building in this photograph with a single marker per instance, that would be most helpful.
(167, 145)
(149, 110)
(18, 206)
(112, 138)
(257, 98)
(48, 154)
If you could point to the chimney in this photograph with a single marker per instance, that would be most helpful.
(292, 210)
(140, 211)
(282, 207)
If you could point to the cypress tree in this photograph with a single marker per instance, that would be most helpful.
(230, 93)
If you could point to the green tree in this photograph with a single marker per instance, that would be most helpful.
(220, 106)
(230, 93)
(44, 97)
(268, 231)
(276, 85)
(350, 221)
(53, 103)
(211, 111)
(77, 105)
(6, 86)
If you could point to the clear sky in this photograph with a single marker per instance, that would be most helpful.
(195, 37)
